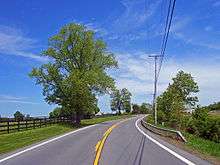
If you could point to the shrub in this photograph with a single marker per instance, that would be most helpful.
(204, 126)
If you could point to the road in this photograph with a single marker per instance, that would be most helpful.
(125, 145)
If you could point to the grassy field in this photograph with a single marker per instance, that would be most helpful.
(13, 141)
(102, 119)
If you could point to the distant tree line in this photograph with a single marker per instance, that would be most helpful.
(144, 108)
(213, 107)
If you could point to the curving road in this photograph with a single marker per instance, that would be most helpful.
(127, 144)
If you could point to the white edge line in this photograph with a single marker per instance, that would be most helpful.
(46, 142)
(162, 146)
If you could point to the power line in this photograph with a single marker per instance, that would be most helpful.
(167, 30)
(162, 53)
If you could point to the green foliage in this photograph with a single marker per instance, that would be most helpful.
(121, 100)
(145, 108)
(204, 126)
(150, 119)
(18, 116)
(213, 107)
(136, 109)
(76, 70)
(56, 113)
(176, 98)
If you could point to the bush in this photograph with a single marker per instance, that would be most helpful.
(150, 119)
(204, 126)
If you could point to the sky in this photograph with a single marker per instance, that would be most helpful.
(132, 30)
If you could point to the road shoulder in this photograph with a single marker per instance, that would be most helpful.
(177, 149)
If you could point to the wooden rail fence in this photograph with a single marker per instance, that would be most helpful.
(12, 125)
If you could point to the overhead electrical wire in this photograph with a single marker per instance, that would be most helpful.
(169, 18)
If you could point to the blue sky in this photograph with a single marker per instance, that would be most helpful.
(131, 28)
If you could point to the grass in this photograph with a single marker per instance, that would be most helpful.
(204, 146)
(103, 119)
(13, 141)
(10, 142)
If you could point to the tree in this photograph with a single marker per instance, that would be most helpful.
(145, 108)
(18, 116)
(177, 97)
(76, 72)
(136, 109)
(121, 100)
(185, 85)
(56, 113)
(28, 116)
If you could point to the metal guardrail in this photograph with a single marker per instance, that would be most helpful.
(164, 131)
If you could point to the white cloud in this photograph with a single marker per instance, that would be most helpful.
(136, 13)
(9, 97)
(13, 42)
(137, 75)
(178, 31)
(14, 99)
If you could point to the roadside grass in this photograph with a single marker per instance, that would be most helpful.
(12, 141)
(102, 119)
(204, 146)
(16, 140)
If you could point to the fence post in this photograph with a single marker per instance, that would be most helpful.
(26, 123)
(34, 122)
(8, 126)
(45, 121)
(40, 123)
(18, 125)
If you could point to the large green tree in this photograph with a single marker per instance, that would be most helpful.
(121, 100)
(178, 96)
(76, 70)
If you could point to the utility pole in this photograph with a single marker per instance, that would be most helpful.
(155, 86)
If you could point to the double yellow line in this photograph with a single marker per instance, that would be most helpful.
(100, 144)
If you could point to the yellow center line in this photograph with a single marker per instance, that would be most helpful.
(99, 146)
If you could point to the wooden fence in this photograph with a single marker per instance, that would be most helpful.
(12, 125)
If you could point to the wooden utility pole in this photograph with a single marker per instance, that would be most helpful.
(155, 87)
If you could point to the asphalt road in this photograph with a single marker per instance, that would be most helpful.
(125, 145)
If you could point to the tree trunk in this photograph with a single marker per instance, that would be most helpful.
(119, 111)
(78, 118)
(73, 119)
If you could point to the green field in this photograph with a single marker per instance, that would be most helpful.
(13, 141)
(102, 119)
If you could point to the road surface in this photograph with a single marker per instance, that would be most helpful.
(125, 145)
